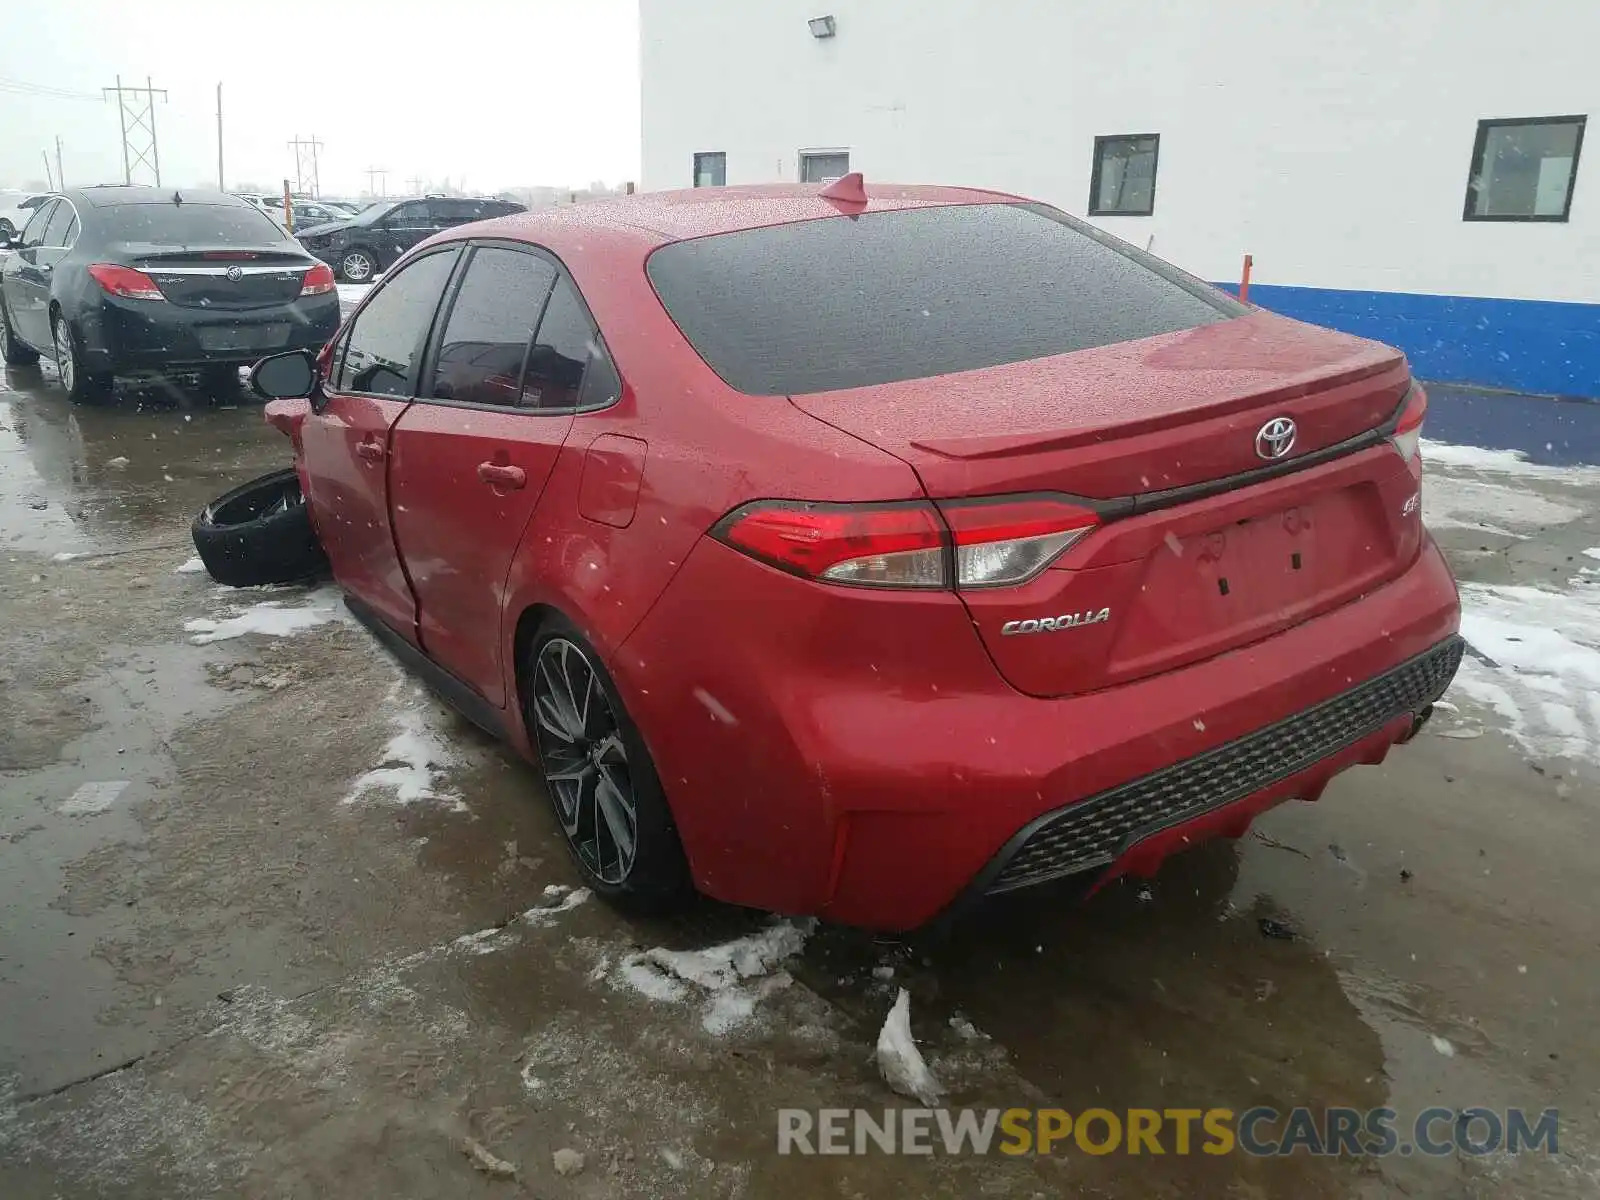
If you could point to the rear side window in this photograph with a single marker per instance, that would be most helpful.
(380, 354)
(490, 326)
(841, 302)
(190, 225)
(560, 352)
(55, 233)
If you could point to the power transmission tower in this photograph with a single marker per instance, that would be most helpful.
(305, 164)
(136, 110)
(416, 185)
(380, 175)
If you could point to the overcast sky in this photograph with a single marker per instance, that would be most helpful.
(486, 93)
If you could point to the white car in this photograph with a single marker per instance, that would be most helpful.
(16, 208)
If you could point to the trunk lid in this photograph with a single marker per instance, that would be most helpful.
(1170, 578)
(225, 277)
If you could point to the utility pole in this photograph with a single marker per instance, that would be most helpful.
(136, 110)
(305, 164)
(221, 186)
(45, 154)
(416, 185)
(380, 174)
(61, 176)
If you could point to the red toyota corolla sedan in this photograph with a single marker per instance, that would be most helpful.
(861, 553)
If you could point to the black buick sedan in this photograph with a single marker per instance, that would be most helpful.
(139, 281)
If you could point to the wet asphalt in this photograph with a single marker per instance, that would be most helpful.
(233, 962)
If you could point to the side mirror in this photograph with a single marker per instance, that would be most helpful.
(290, 376)
(10, 241)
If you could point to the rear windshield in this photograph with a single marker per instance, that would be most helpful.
(851, 302)
(190, 225)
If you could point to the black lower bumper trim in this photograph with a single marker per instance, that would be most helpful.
(1092, 833)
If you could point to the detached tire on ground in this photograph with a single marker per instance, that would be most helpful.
(259, 533)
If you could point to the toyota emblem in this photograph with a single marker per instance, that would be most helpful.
(1275, 438)
(237, 273)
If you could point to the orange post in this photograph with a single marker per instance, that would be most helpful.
(288, 207)
(1244, 280)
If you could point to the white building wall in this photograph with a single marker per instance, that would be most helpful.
(1329, 138)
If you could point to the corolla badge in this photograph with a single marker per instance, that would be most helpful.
(1055, 624)
(1275, 438)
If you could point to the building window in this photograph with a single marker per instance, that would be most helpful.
(711, 170)
(1124, 179)
(823, 166)
(1524, 169)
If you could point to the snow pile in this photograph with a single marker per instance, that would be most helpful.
(1469, 487)
(1537, 664)
(191, 566)
(269, 618)
(566, 899)
(899, 1060)
(413, 759)
(730, 979)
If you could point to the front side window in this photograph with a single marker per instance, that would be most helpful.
(823, 166)
(711, 169)
(1524, 169)
(413, 215)
(491, 322)
(380, 355)
(1123, 181)
(33, 231)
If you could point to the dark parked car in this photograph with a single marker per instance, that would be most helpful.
(369, 242)
(144, 281)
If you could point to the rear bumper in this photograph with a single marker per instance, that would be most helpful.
(1134, 826)
(139, 336)
(837, 792)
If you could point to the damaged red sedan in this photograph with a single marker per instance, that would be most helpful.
(867, 551)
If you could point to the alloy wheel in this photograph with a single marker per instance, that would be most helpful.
(585, 761)
(357, 267)
(63, 340)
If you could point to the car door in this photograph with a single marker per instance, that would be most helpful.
(402, 228)
(345, 444)
(27, 280)
(471, 457)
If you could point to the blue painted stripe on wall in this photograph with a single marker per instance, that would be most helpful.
(1542, 346)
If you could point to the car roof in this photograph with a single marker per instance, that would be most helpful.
(651, 219)
(114, 195)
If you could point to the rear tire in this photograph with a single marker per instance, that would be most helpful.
(81, 386)
(260, 532)
(601, 780)
(12, 349)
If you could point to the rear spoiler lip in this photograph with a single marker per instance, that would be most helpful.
(1144, 502)
(977, 448)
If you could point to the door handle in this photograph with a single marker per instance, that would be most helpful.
(502, 475)
(371, 451)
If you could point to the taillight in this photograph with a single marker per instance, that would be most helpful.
(125, 282)
(318, 280)
(876, 545)
(990, 542)
(1006, 540)
(1408, 430)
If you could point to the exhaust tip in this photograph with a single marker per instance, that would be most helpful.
(1418, 720)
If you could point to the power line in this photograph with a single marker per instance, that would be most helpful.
(22, 87)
